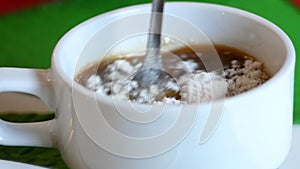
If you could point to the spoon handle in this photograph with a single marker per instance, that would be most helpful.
(153, 56)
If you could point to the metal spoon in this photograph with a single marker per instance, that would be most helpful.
(152, 72)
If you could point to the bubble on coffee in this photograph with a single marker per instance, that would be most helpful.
(194, 84)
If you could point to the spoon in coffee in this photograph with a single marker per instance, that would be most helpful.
(152, 71)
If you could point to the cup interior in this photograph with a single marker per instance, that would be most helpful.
(124, 30)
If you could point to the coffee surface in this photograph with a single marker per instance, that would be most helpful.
(234, 72)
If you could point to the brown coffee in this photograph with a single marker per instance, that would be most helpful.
(240, 70)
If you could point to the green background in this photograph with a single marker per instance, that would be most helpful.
(28, 37)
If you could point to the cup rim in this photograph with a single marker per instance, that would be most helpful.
(286, 68)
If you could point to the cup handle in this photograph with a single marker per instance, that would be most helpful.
(32, 81)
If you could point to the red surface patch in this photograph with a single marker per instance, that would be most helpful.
(7, 6)
(297, 2)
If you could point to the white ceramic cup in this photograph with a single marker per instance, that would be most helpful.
(253, 130)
